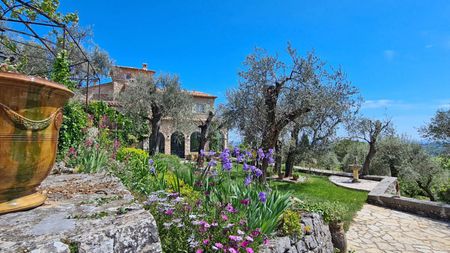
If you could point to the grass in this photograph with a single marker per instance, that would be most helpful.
(319, 189)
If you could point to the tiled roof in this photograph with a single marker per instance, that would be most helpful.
(201, 94)
(135, 69)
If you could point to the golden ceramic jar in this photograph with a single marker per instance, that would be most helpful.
(30, 118)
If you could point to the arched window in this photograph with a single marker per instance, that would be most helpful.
(195, 141)
(177, 144)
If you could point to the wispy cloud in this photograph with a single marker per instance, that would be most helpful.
(374, 104)
(429, 46)
(444, 104)
(389, 54)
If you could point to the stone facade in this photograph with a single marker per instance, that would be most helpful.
(85, 212)
(121, 77)
(317, 240)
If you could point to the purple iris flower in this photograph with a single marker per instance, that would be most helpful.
(260, 153)
(202, 153)
(262, 196)
(240, 158)
(236, 151)
(248, 180)
(227, 166)
(246, 167)
(258, 172)
(212, 163)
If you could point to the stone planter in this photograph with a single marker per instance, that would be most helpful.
(30, 118)
(338, 236)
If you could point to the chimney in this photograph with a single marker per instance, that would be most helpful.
(144, 66)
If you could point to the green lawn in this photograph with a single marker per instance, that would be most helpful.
(319, 189)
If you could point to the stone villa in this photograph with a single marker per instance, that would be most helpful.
(183, 143)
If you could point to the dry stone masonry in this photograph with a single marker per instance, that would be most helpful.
(85, 212)
(317, 240)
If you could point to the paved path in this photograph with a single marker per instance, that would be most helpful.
(363, 185)
(378, 229)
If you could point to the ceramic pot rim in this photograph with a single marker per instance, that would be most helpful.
(15, 79)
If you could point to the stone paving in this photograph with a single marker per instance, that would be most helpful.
(378, 229)
(363, 185)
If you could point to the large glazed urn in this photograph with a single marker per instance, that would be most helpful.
(30, 118)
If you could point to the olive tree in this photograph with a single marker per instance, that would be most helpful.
(338, 105)
(421, 170)
(151, 99)
(370, 131)
(439, 128)
(272, 94)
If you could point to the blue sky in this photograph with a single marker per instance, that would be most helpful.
(396, 52)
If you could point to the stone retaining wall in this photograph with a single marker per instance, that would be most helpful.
(318, 240)
(386, 194)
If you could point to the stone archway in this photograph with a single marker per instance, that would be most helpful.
(177, 144)
(195, 142)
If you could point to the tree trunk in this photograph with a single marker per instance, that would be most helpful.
(368, 159)
(292, 153)
(289, 165)
(278, 158)
(155, 122)
(426, 189)
(393, 169)
(204, 133)
(270, 135)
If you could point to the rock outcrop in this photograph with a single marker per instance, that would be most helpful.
(85, 212)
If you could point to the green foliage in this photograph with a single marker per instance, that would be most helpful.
(330, 211)
(49, 7)
(171, 162)
(71, 132)
(122, 127)
(61, 70)
(290, 224)
(132, 154)
(318, 189)
(88, 158)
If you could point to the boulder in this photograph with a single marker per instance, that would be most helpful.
(84, 212)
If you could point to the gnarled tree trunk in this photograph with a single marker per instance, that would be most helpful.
(204, 133)
(155, 124)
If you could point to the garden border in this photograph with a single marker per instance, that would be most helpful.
(387, 194)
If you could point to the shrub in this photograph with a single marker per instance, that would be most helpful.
(122, 127)
(127, 154)
(71, 133)
(332, 212)
(87, 158)
(290, 224)
(171, 162)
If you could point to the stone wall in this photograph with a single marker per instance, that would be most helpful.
(386, 194)
(88, 212)
(317, 240)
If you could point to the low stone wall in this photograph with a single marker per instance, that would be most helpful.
(318, 240)
(84, 212)
(386, 194)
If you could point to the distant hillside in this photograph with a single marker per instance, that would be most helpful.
(433, 148)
